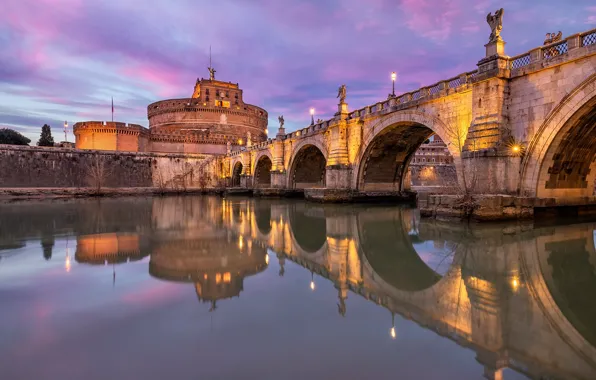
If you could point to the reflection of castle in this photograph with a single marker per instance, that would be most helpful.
(217, 268)
(192, 246)
(110, 248)
(214, 116)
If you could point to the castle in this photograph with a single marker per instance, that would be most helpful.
(213, 120)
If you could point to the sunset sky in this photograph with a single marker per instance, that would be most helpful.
(65, 59)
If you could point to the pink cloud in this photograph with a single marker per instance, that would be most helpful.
(430, 19)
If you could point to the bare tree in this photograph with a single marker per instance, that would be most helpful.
(457, 132)
(97, 172)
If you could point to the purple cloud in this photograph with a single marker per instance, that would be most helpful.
(65, 59)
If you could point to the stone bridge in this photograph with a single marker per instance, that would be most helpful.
(522, 126)
(467, 291)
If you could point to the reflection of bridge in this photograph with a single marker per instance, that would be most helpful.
(519, 125)
(519, 297)
(511, 298)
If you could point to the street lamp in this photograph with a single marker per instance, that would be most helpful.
(393, 78)
(65, 129)
(312, 116)
(312, 281)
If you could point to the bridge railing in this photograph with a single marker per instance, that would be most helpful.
(588, 38)
(553, 50)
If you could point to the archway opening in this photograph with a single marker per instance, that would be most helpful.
(308, 168)
(236, 174)
(569, 166)
(263, 172)
(384, 166)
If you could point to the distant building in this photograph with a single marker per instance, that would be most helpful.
(433, 153)
(432, 165)
(65, 144)
(212, 117)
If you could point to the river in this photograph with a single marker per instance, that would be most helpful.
(201, 287)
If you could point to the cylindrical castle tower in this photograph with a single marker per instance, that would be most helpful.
(204, 123)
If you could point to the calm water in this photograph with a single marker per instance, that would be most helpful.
(212, 288)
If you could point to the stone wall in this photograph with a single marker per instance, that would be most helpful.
(27, 167)
(433, 175)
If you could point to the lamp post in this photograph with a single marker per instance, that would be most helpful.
(393, 78)
(312, 281)
(65, 129)
(312, 116)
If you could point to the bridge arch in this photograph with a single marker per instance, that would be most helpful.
(307, 165)
(389, 145)
(560, 159)
(262, 171)
(236, 173)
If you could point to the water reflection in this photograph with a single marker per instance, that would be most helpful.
(520, 297)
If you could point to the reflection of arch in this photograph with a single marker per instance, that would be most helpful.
(388, 250)
(560, 153)
(556, 285)
(309, 230)
(262, 212)
(388, 146)
(263, 172)
(307, 166)
(236, 174)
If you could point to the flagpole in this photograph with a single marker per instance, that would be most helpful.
(112, 109)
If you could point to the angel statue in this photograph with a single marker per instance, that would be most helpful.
(552, 51)
(281, 121)
(551, 37)
(212, 72)
(496, 25)
(341, 94)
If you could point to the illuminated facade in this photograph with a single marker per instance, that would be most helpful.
(213, 117)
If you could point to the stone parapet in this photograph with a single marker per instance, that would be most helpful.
(498, 207)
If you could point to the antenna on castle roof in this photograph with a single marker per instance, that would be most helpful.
(211, 69)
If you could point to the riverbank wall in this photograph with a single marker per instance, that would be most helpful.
(25, 167)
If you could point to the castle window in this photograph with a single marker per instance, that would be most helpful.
(227, 94)
(207, 92)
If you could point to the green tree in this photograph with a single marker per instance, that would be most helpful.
(46, 138)
(12, 137)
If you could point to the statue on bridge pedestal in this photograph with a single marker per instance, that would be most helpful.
(496, 24)
(281, 121)
(341, 94)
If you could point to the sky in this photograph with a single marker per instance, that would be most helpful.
(65, 59)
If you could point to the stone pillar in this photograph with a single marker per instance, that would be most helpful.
(278, 170)
(338, 170)
(246, 176)
(491, 167)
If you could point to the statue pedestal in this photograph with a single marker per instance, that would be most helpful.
(342, 109)
(495, 48)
